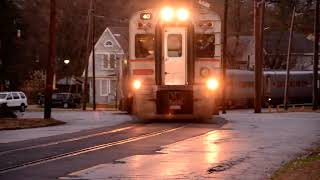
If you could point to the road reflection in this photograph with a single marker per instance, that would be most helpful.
(212, 149)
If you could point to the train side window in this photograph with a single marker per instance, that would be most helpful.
(144, 45)
(174, 45)
(205, 45)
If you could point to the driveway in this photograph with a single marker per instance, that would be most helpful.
(75, 121)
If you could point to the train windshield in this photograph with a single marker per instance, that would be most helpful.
(205, 45)
(174, 45)
(144, 46)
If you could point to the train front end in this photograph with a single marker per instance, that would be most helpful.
(174, 63)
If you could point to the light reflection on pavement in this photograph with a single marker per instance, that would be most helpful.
(245, 148)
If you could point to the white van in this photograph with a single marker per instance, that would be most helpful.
(14, 100)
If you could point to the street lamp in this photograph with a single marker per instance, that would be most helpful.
(66, 61)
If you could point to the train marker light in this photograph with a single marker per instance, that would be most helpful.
(182, 14)
(136, 84)
(167, 14)
(204, 72)
(212, 84)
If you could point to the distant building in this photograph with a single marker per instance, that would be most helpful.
(241, 52)
(110, 52)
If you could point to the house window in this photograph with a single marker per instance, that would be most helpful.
(108, 87)
(106, 61)
(113, 86)
(104, 87)
(109, 61)
(112, 61)
(108, 44)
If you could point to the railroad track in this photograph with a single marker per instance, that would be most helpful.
(65, 140)
(81, 151)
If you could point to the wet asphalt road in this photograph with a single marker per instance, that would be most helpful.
(249, 146)
(58, 156)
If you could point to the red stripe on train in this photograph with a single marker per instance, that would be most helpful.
(141, 60)
(199, 59)
(142, 71)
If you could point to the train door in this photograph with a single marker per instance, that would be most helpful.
(175, 56)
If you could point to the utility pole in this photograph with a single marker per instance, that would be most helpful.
(93, 57)
(85, 87)
(258, 34)
(315, 97)
(286, 88)
(224, 56)
(51, 60)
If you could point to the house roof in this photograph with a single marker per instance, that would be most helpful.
(245, 42)
(122, 36)
(274, 42)
(277, 42)
(69, 81)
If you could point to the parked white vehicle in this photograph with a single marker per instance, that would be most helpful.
(14, 100)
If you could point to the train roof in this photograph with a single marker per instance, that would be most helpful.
(200, 14)
(291, 72)
(268, 72)
(239, 71)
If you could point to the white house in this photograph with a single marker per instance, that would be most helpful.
(110, 52)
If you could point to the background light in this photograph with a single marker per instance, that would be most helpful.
(182, 14)
(66, 61)
(167, 14)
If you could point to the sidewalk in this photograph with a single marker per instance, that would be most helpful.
(75, 121)
(37, 108)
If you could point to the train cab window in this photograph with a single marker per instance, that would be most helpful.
(144, 46)
(205, 45)
(174, 45)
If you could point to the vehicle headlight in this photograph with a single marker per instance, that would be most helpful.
(167, 14)
(136, 84)
(182, 14)
(212, 84)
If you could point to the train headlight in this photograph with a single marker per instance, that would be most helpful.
(167, 14)
(136, 84)
(212, 84)
(182, 14)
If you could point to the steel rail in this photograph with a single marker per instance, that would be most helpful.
(65, 140)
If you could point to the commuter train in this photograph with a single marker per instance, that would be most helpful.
(240, 88)
(174, 63)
